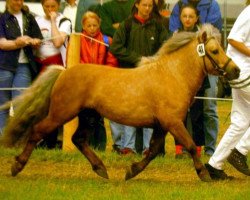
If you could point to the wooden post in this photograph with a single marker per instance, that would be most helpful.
(73, 58)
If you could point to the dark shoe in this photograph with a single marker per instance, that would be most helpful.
(217, 174)
(208, 154)
(239, 161)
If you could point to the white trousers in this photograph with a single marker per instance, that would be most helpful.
(238, 134)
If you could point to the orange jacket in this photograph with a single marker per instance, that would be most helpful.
(96, 53)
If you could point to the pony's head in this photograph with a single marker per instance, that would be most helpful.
(215, 60)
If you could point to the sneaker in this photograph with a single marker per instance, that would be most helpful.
(178, 151)
(127, 151)
(239, 161)
(199, 150)
(217, 174)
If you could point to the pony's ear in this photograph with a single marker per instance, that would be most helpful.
(204, 36)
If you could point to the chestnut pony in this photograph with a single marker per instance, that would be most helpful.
(156, 94)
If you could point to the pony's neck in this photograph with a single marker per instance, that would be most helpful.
(191, 68)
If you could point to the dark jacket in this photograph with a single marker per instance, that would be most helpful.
(141, 40)
(114, 11)
(10, 30)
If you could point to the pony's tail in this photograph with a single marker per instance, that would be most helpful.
(29, 108)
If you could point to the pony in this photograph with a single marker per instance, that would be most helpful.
(155, 94)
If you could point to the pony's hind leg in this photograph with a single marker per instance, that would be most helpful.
(39, 131)
(80, 140)
(156, 145)
(180, 133)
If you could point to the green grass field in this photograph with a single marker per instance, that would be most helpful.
(56, 174)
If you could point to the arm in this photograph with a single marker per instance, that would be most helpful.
(18, 43)
(119, 47)
(240, 46)
(14, 42)
(58, 37)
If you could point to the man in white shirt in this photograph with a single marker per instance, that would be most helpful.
(235, 144)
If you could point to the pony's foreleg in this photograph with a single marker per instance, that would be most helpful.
(181, 134)
(156, 144)
(80, 140)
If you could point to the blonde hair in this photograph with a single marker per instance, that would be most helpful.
(58, 1)
(90, 14)
(247, 2)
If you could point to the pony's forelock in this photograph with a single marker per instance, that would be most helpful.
(211, 32)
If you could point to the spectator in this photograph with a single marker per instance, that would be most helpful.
(235, 143)
(209, 12)
(94, 52)
(139, 35)
(112, 14)
(189, 18)
(55, 29)
(142, 139)
(19, 32)
(74, 10)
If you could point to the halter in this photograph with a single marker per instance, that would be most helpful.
(202, 52)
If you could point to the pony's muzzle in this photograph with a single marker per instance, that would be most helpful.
(232, 73)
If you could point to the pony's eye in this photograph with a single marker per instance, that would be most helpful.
(215, 51)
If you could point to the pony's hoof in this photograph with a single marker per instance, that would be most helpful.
(205, 176)
(132, 171)
(129, 174)
(103, 173)
(16, 168)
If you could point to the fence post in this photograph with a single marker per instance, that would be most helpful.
(73, 58)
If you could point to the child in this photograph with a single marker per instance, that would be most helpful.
(94, 49)
(194, 122)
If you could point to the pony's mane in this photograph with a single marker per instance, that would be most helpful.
(175, 42)
(182, 38)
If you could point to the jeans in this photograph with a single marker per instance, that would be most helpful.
(8, 79)
(147, 134)
(123, 136)
(211, 122)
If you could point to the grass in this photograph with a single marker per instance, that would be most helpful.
(57, 174)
